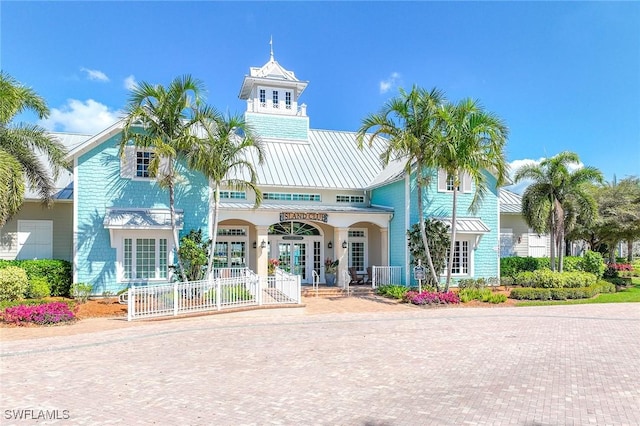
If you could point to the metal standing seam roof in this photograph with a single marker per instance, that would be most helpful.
(467, 225)
(64, 182)
(116, 218)
(510, 202)
(328, 160)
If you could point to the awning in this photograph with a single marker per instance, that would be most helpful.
(141, 219)
(467, 225)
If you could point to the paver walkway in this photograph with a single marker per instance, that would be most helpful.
(392, 365)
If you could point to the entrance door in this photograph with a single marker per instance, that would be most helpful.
(293, 258)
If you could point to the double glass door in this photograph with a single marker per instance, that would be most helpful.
(293, 258)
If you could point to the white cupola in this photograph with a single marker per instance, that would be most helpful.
(272, 94)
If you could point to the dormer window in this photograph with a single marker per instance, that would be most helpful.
(287, 99)
(275, 99)
(263, 98)
(143, 158)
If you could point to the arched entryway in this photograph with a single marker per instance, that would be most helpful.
(299, 248)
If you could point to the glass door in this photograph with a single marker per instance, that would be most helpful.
(293, 258)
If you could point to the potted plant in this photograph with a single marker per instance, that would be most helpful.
(330, 269)
(272, 265)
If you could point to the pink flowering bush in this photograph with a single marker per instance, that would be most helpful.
(621, 266)
(48, 313)
(431, 298)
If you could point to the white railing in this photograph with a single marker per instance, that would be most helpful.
(247, 289)
(229, 272)
(384, 275)
(282, 287)
(316, 281)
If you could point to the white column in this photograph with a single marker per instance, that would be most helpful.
(340, 236)
(262, 254)
(384, 246)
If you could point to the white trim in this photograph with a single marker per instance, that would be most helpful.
(117, 242)
(75, 220)
(407, 224)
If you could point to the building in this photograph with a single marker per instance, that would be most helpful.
(516, 238)
(323, 198)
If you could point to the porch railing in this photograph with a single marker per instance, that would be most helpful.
(384, 275)
(246, 289)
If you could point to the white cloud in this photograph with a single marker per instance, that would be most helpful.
(523, 184)
(95, 75)
(130, 82)
(390, 83)
(76, 116)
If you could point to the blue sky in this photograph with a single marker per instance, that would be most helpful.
(563, 75)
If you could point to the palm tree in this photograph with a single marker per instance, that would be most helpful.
(410, 122)
(20, 145)
(556, 192)
(164, 119)
(471, 142)
(223, 156)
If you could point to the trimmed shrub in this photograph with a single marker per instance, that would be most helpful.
(13, 283)
(511, 266)
(545, 278)
(58, 273)
(472, 283)
(38, 288)
(562, 293)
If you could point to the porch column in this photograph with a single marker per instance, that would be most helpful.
(384, 246)
(262, 254)
(341, 235)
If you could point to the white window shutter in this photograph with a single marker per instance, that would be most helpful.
(128, 163)
(442, 181)
(466, 182)
(164, 167)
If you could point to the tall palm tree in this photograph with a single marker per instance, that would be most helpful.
(20, 146)
(554, 194)
(410, 122)
(471, 142)
(164, 119)
(223, 155)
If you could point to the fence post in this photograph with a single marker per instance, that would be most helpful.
(257, 282)
(373, 278)
(175, 299)
(218, 294)
(299, 290)
(130, 304)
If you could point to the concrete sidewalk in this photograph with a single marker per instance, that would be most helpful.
(397, 366)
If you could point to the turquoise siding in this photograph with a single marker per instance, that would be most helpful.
(98, 186)
(393, 195)
(279, 126)
(439, 204)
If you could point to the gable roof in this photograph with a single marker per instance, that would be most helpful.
(64, 182)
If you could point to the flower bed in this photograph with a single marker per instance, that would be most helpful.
(44, 314)
(431, 298)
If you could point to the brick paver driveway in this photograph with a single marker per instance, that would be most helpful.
(523, 366)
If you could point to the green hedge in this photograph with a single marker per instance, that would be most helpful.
(57, 273)
(545, 278)
(590, 262)
(562, 293)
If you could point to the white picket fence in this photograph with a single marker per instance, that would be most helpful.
(240, 289)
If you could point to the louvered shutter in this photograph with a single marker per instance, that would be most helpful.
(442, 181)
(466, 182)
(128, 163)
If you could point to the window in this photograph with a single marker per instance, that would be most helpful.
(231, 248)
(350, 199)
(287, 99)
(445, 182)
(237, 195)
(281, 196)
(275, 99)
(143, 158)
(263, 98)
(460, 258)
(145, 258)
(450, 183)
(358, 249)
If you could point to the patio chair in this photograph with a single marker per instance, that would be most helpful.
(355, 279)
(369, 279)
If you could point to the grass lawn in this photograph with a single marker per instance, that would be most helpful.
(630, 294)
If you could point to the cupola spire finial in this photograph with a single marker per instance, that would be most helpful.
(271, 44)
